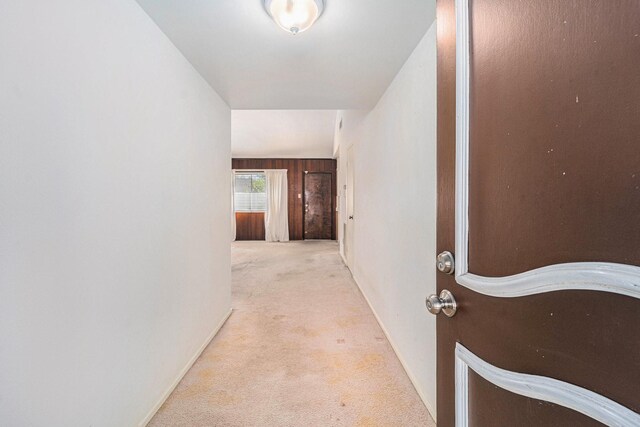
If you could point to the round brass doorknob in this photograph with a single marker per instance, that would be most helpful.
(444, 303)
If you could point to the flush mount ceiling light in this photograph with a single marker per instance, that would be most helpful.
(294, 16)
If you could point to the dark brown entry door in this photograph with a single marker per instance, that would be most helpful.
(318, 218)
(539, 200)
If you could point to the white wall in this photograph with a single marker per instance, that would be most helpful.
(395, 210)
(294, 134)
(114, 202)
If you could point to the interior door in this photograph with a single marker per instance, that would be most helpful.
(318, 215)
(350, 196)
(539, 202)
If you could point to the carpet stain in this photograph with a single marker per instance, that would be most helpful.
(366, 422)
(221, 398)
(301, 330)
(349, 321)
(207, 374)
(369, 362)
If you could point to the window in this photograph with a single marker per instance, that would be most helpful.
(251, 192)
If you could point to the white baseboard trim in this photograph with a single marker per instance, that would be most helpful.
(412, 378)
(344, 260)
(183, 372)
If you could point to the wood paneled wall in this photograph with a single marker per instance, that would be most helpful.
(250, 226)
(296, 169)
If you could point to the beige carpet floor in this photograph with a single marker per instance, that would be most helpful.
(302, 348)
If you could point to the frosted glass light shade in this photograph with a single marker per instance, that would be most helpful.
(294, 16)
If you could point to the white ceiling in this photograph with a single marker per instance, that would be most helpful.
(345, 61)
(282, 134)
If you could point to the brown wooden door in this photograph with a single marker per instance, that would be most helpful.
(539, 199)
(318, 215)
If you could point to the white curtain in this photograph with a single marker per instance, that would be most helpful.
(233, 206)
(276, 218)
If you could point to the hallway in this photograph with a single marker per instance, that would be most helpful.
(302, 348)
